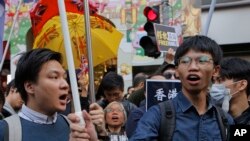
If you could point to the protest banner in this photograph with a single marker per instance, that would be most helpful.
(166, 37)
(161, 90)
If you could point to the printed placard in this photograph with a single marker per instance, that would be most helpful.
(161, 90)
(166, 37)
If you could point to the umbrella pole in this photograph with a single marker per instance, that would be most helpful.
(70, 61)
(89, 49)
(11, 32)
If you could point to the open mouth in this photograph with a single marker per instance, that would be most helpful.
(115, 118)
(193, 77)
(63, 97)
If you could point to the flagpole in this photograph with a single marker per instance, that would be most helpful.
(209, 18)
(70, 61)
(89, 49)
(10, 34)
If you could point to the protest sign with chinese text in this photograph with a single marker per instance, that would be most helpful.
(161, 90)
(166, 37)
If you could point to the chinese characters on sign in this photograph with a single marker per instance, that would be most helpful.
(160, 94)
(172, 93)
(166, 37)
(161, 90)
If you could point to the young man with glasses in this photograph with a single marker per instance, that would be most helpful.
(197, 60)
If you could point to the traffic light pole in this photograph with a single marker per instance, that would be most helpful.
(164, 9)
(210, 14)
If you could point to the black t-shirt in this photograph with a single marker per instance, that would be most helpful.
(244, 118)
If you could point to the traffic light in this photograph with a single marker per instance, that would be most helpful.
(148, 43)
(152, 14)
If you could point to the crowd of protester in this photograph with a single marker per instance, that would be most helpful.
(213, 89)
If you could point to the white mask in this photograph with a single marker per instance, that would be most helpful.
(218, 92)
(221, 95)
(225, 103)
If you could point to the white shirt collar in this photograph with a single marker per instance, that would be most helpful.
(36, 117)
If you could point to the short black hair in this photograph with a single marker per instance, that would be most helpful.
(111, 81)
(10, 85)
(149, 77)
(237, 69)
(167, 67)
(29, 65)
(139, 77)
(199, 43)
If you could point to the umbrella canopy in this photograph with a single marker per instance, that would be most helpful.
(44, 10)
(105, 38)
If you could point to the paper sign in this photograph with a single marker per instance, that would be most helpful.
(161, 90)
(166, 37)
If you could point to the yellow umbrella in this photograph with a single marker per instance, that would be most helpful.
(105, 38)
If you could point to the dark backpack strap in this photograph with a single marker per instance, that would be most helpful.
(167, 126)
(223, 122)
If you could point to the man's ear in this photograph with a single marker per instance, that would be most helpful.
(29, 87)
(141, 84)
(243, 85)
(216, 72)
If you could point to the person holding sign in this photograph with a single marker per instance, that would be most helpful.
(137, 113)
(168, 68)
(197, 60)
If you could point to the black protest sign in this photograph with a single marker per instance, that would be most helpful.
(166, 37)
(161, 90)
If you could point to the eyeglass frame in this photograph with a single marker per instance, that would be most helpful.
(171, 73)
(197, 60)
(110, 110)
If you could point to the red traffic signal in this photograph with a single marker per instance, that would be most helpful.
(152, 13)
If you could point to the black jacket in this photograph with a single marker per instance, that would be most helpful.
(244, 118)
